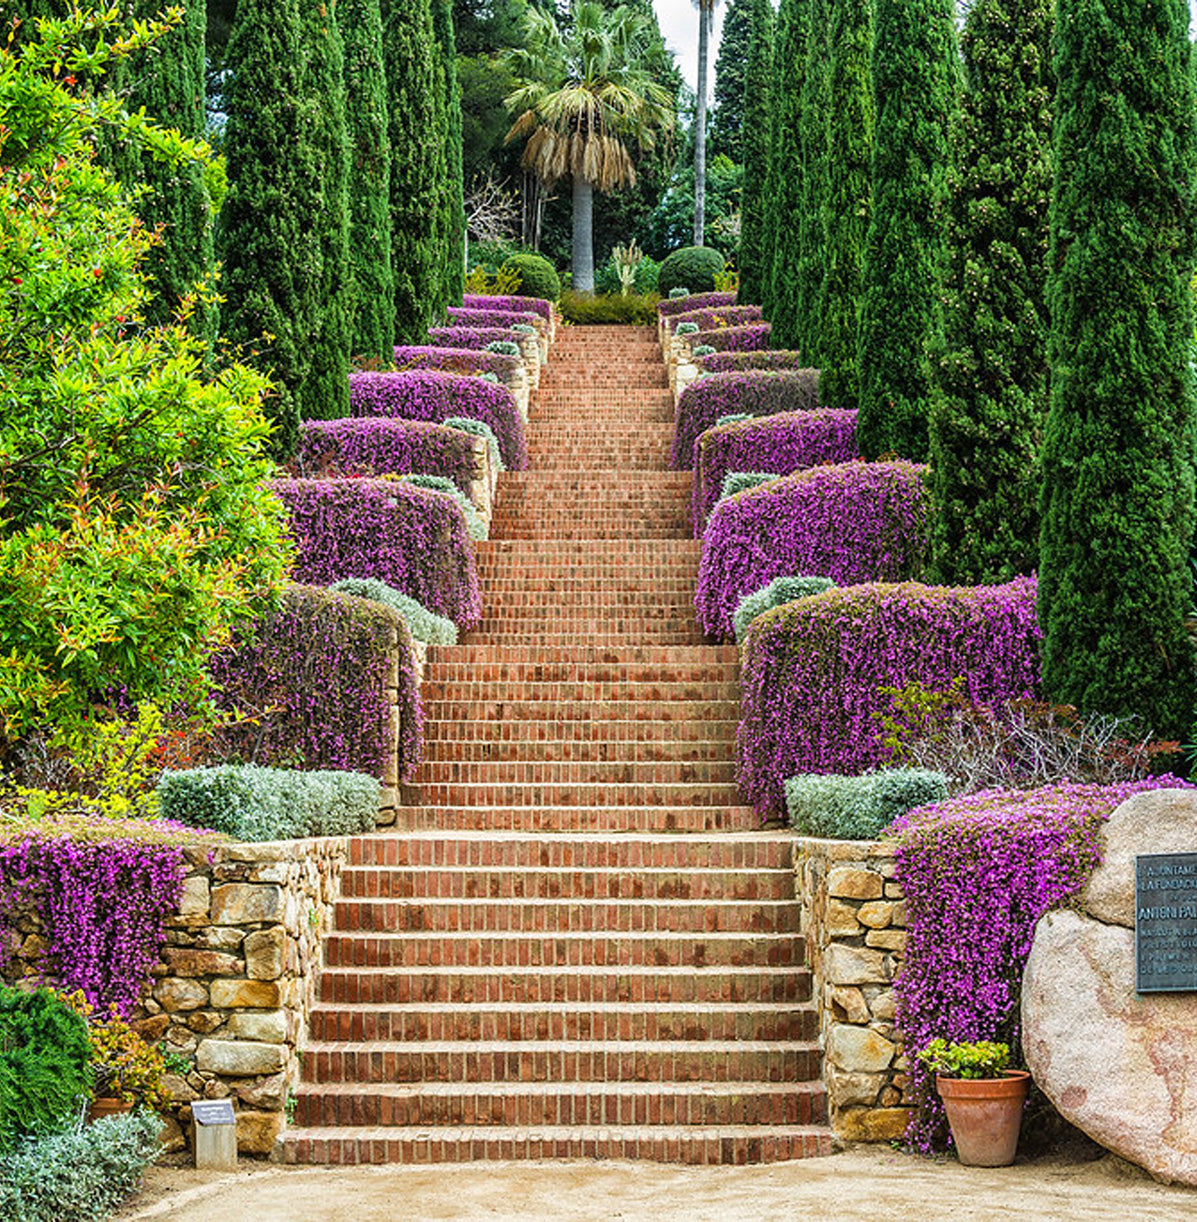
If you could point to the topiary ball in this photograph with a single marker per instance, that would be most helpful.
(693, 268)
(538, 277)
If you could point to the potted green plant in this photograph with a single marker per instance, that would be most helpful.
(982, 1097)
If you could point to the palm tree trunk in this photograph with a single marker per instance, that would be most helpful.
(705, 13)
(583, 245)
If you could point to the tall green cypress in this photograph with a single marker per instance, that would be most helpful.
(324, 394)
(989, 401)
(417, 165)
(1118, 491)
(916, 79)
(755, 239)
(848, 200)
(453, 221)
(732, 97)
(783, 181)
(270, 250)
(373, 321)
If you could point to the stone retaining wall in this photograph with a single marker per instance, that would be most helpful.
(854, 921)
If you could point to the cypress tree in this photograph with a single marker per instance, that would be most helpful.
(417, 166)
(324, 394)
(916, 83)
(453, 221)
(756, 241)
(373, 321)
(847, 202)
(989, 402)
(268, 245)
(784, 172)
(1118, 447)
(731, 81)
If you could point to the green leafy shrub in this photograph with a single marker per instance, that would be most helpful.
(703, 350)
(675, 293)
(859, 807)
(423, 624)
(779, 591)
(78, 1175)
(971, 1060)
(740, 481)
(693, 268)
(589, 309)
(439, 483)
(479, 428)
(538, 277)
(687, 328)
(44, 1053)
(252, 803)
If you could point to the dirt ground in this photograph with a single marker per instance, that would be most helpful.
(863, 1183)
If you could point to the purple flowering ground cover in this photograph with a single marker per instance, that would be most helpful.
(737, 362)
(854, 522)
(713, 318)
(314, 673)
(755, 392)
(432, 395)
(782, 443)
(410, 357)
(812, 671)
(668, 307)
(537, 305)
(472, 337)
(977, 873)
(751, 337)
(461, 316)
(413, 539)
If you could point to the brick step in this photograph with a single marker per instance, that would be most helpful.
(448, 746)
(653, 816)
(456, 708)
(554, 604)
(647, 484)
(484, 985)
(547, 655)
(695, 1146)
(561, 1061)
(749, 850)
(629, 674)
(553, 1103)
(519, 774)
(566, 915)
(572, 739)
(484, 798)
(515, 1022)
(594, 550)
(512, 635)
(458, 687)
(678, 584)
(551, 532)
(643, 885)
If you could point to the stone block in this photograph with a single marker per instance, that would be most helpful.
(264, 953)
(264, 1026)
(884, 1006)
(855, 965)
(876, 914)
(872, 1124)
(246, 994)
(269, 1094)
(851, 1003)
(239, 1060)
(182, 961)
(840, 919)
(849, 883)
(204, 1022)
(858, 1049)
(246, 903)
(845, 1089)
(886, 939)
(178, 1088)
(175, 993)
(194, 900)
(219, 937)
(899, 920)
(257, 1131)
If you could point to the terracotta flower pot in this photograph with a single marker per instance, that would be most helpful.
(985, 1115)
(101, 1109)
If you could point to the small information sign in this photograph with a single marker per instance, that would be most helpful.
(1166, 923)
(213, 1111)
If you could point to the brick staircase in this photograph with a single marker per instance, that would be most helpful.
(535, 964)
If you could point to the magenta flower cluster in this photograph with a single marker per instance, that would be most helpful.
(668, 307)
(383, 446)
(977, 873)
(102, 904)
(413, 539)
(781, 443)
(812, 671)
(853, 523)
(458, 360)
(433, 395)
(315, 673)
(736, 362)
(459, 316)
(537, 305)
(755, 392)
(712, 318)
(752, 337)
(473, 337)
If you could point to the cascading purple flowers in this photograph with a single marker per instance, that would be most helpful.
(413, 539)
(755, 392)
(538, 305)
(670, 306)
(433, 395)
(737, 362)
(753, 337)
(782, 443)
(977, 873)
(853, 523)
(410, 357)
(473, 337)
(461, 316)
(812, 671)
(711, 318)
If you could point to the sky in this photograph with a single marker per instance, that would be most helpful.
(679, 24)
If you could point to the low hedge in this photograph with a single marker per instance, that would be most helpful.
(469, 361)
(782, 443)
(710, 318)
(691, 267)
(668, 306)
(421, 623)
(384, 446)
(253, 803)
(853, 523)
(777, 593)
(748, 337)
(812, 671)
(461, 316)
(590, 309)
(755, 392)
(482, 339)
(438, 483)
(538, 305)
(432, 395)
(737, 362)
(311, 680)
(859, 807)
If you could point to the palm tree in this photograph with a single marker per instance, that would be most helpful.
(583, 98)
(706, 17)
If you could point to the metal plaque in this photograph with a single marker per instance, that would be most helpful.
(1166, 923)
(213, 1111)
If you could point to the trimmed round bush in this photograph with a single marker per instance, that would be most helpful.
(853, 523)
(812, 671)
(703, 350)
(421, 623)
(691, 267)
(777, 593)
(859, 807)
(538, 277)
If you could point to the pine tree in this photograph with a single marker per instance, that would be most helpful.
(732, 98)
(989, 400)
(1117, 504)
(847, 202)
(324, 394)
(373, 325)
(453, 221)
(756, 242)
(268, 245)
(417, 165)
(916, 83)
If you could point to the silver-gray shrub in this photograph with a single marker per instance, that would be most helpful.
(779, 591)
(424, 625)
(859, 807)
